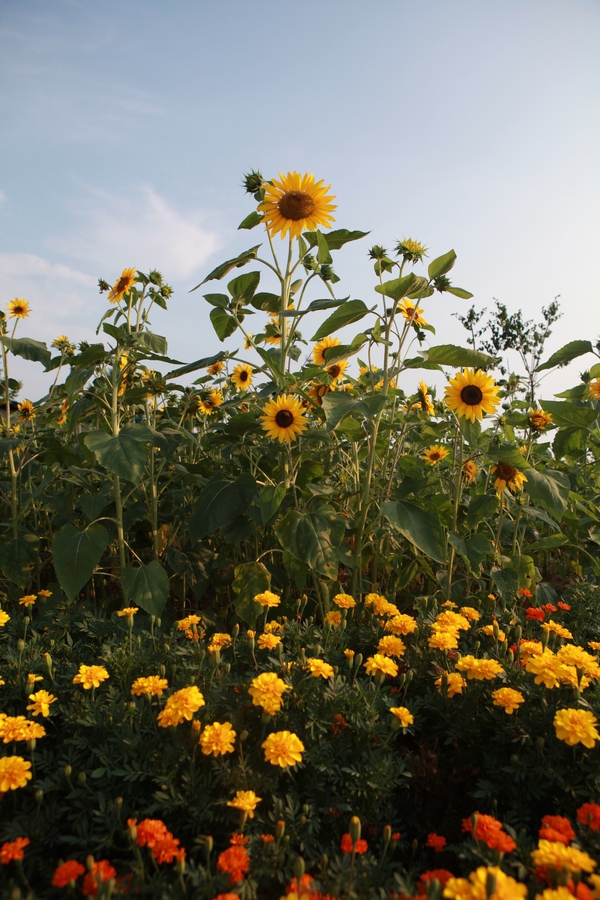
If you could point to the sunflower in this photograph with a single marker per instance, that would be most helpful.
(411, 251)
(242, 376)
(471, 393)
(318, 391)
(434, 454)
(18, 309)
(283, 418)
(123, 285)
(594, 389)
(26, 411)
(539, 419)
(336, 371)
(319, 349)
(248, 343)
(470, 471)
(412, 312)
(508, 475)
(216, 368)
(296, 204)
(209, 404)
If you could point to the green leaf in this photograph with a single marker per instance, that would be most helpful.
(269, 500)
(450, 355)
(251, 578)
(548, 490)
(441, 265)
(459, 292)
(335, 239)
(510, 454)
(76, 554)
(569, 414)
(266, 302)
(312, 538)
(323, 255)
(251, 221)
(567, 353)
(520, 573)
(243, 288)
(18, 558)
(397, 288)
(241, 424)
(199, 364)
(88, 357)
(220, 503)
(337, 405)
(575, 393)
(343, 351)
(220, 300)
(569, 440)
(230, 264)
(27, 348)
(480, 508)
(473, 550)
(548, 543)
(419, 526)
(146, 586)
(125, 454)
(155, 342)
(351, 311)
(223, 323)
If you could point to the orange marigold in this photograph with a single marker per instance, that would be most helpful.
(235, 861)
(13, 850)
(557, 828)
(347, 846)
(69, 871)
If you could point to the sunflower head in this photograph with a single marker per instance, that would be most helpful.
(215, 368)
(208, 404)
(594, 389)
(18, 309)
(539, 419)
(242, 376)
(412, 312)
(434, 454)
(319, 349)
(336, 371)
(295, 204)
(470, 471)
(411, 251)
(471, 393)
(26, 411)
(283, 418)
(123, 285)
(507, 475)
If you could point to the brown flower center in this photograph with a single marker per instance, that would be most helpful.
(284, 418)
(296, 205)
(505, 471)
(243, 375)
(434, 455)
(121, 284)
(471, 395)
(334, 371)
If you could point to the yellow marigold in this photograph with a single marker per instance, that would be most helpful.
(489, 630)
(267, 691)
(246, 801)
(558, 630)
(32, 678)
(267, 598)
(391, 646)
(546, 668)
(379, 664)
(219, 640)
(476, 887)
(273, 627)
(181, 706)
(319, 669)
(18, 728)
(28, 600)
(151, 684)
(595, 645)
(560, 893)
(186, 624)
(455, 683)
(469, 613)
(479, 669)
(594, 882)
(4, 617)
(381, 606)
(218, 739)
(403, 715)
(40, 703)
(508, 699)
(128, 612)
(555, 855)
(452, 620)
(344, 601)
(349, 654)
(572, 655)
(443, 640)
(530, 648)
(334, 618)
(14, 773)
(283, 748)
(90, 676)
(401, 624)
(268, 641)
(576, 726)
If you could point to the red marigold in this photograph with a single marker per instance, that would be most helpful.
(535, 613)
(12, 850)
(441, 875)
(563, 605)
(304, 890)
(167, 850)
(101, 871)
(489, 831)
(69, 871)
(267, 838)
(582, 891)
(149, 831)
(557, 828)
(549, 607)
(437, 841)
(235, 861)
(347, 846)
(339, 723)
(589, 814)
(525, 592)
(238, 840)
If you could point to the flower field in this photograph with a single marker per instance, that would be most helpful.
(298, 629)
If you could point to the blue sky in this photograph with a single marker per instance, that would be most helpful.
(127, 126)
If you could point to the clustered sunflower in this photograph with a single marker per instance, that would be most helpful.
(283, 419)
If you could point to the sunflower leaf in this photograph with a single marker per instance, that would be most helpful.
(398, 287)
(351, 311)
(451, 355)
(441, 265)
(230, 264)
(567, 353)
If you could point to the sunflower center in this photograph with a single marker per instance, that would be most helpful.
(296, 205)
(435, 454)
(471, 395)
(121, 284)
(284, 418)
(243, 375)
(334, 371)
(505, 471)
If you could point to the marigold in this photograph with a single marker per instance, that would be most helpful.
(508, 699)
(436, 841)
(235, 861)
(344, 601)
(246, 801)
(69, 871)
(40, 703)
(181, 706)
(571, 655)
(151, 684)
(403, 715)
(401, 624)
(557, 828)
(469, 613)
(268, 641)
(128, 612)
(90, 676)
(535, 614)
(475, 888)
(13, 850)
(589, 814)
(101, 871)
(381, 665)
(479, 669)
(576, 726)
(4, 617)
(489, 630)
(267, 691)
(186, 624)
(455, 683)
(28, 600)
(389, 645)
(283, 748)
(452, 620)
(18, 728)
(489, 831)
(14, 773)
(267, 599)
(554, 855)
(558, 629)
(347, 845)
(443, 640)
(334, 617)
(319, 668)
(218, 739)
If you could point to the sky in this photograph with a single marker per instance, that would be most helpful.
(465, 124)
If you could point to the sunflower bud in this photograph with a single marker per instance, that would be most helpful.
(253, 182)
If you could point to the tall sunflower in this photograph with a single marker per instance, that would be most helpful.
(207, 405)
(242, 376)
(123, 285)
(471, 393)
(319, 349)
(18, 309)
(435, 454)
(508, 475)
(296, 204)
(412, 312)
(283, 418)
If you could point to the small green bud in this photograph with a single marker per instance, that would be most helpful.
(354, 829)
(82, 778)
(279, 829)
(299, 867)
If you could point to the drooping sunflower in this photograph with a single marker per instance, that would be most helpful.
(26, 411)
(216, 368)
(337, 370)
(469, 471)
(508, 475)
(242, 376)
(471, 393)
(283, 418)
(207, 405)
(412, 312)
(123, 285)
(435, 454)
(594, 389)
(296, 204)
(539, 419)
(18, 309)
(319, 349)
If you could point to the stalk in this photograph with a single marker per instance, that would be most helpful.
(14, 500)
(457, 496)
(115, 425)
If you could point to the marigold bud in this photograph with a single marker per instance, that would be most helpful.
(158, 621)
(299, 867)
(235, 631)
(82, 778)
(67, 771)
(39, 795)
(354, 829)
(518, 633)
(20, 645)
(387, 834)
(358, 660)
(209, 843)
(279, 829)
